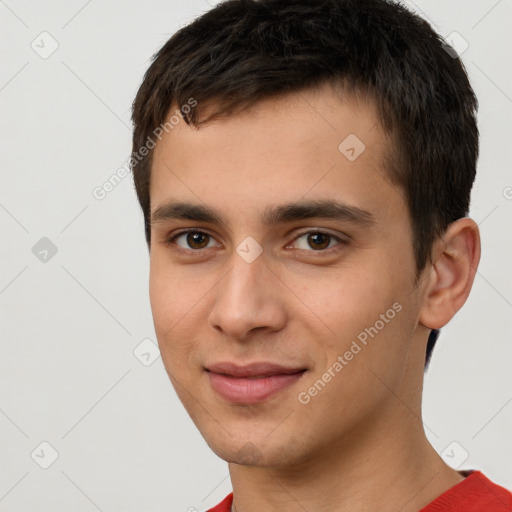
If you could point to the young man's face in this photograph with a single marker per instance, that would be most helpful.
(224, 312)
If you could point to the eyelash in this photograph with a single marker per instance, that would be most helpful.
(171, 241)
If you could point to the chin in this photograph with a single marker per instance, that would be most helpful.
(258, 452)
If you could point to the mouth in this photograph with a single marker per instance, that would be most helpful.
(251, 383)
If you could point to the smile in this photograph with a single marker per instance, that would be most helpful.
(252, 383)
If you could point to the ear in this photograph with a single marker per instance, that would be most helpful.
(455, 258)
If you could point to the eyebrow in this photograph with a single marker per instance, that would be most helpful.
(272, 215)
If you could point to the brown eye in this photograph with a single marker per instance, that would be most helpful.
(197, 239)
(319, 240)
(193, 240)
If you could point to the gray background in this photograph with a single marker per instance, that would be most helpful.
(71, 321)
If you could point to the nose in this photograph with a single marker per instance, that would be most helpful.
(250, 296)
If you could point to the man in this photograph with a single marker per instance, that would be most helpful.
(304, 169)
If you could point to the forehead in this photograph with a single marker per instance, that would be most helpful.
(315, 144)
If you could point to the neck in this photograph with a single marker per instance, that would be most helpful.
(388, 466)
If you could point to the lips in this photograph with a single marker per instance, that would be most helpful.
(251, 383)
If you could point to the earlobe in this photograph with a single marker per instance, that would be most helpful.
(455, 259)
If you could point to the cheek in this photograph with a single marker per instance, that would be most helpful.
(173, 308)
(172, 296)
(366, 316)
(162, 305)
(350, 301)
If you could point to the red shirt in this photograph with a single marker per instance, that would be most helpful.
(476, 493)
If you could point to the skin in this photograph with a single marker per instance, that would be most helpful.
(360, 443)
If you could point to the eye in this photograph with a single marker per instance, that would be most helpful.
(193, 239)
(320, 241)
